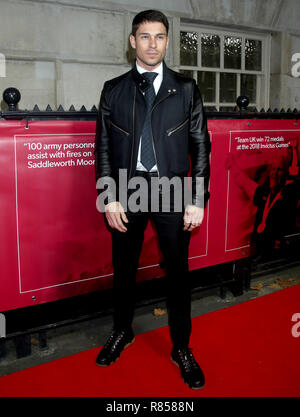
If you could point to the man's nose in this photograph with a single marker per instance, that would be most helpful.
(153, 42)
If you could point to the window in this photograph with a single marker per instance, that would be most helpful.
(226, 65)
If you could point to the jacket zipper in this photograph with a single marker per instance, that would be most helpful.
(152, 131)
(170, 132)
(133, 117)
(122, 130)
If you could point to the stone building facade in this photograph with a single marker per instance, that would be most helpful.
(60, 52)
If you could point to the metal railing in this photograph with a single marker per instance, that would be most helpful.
(12, 97)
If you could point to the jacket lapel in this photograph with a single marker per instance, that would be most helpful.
(168, 86)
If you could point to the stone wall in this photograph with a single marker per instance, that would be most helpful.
(61, 52)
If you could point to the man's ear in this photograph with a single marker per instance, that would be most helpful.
(132, 41)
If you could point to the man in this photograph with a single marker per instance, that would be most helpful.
(150, 120)
(275, 194)
(276, 203)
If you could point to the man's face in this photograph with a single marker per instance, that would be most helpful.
(150, 42)
(277, 176)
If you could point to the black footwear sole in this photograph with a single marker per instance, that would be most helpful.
(195, 388)
(128, 344)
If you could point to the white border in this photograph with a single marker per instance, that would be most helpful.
(17, 221)
(207, 217)
(17, 214)
(228, 182)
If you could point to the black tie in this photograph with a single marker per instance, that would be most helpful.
(147, 152)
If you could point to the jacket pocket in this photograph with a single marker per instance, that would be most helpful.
(120, 129)
(177, 127)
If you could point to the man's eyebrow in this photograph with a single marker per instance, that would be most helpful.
(147, 33)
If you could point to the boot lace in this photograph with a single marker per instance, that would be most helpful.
(114, 339)
(187, 359)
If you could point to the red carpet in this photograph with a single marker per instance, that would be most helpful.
(244, 350)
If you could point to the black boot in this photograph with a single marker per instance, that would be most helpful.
(116, 343)
(190, 370)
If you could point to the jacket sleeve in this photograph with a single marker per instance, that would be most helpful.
(200, 147)
(102, 139)
(103, 169)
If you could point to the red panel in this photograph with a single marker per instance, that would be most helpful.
(54, 243)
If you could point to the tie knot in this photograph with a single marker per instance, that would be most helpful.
(150, 76)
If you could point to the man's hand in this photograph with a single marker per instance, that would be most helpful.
(193, 217)
(115, 216)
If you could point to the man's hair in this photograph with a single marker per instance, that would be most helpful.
(149, 16)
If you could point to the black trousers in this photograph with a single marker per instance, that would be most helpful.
(174, 243)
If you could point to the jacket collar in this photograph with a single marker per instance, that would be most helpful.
(168, 85)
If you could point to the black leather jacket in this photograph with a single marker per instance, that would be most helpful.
(178, 123)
